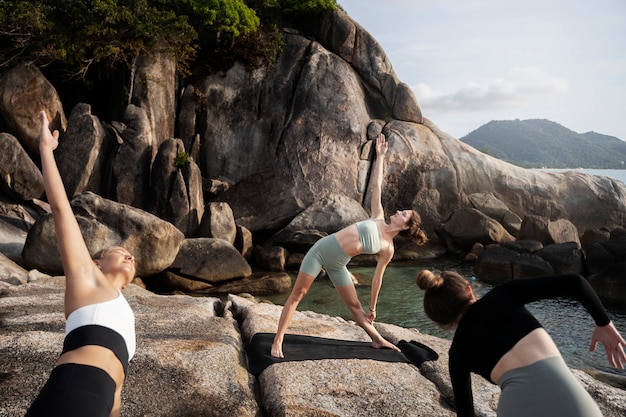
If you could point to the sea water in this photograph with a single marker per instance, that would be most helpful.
(401, 303)
(616, 174)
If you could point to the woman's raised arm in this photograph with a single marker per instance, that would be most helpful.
(376, 179)
(77, 262)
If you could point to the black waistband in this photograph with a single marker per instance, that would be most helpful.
(99, 336)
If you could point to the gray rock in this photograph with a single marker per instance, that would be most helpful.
(23, 92)
(82, 151)
(493, 207)
(469, 226)
(610, 284)
(590, 237)
(176, 190)
(131, 162)
(153, 242)
(20, 178)
(565, 258)
(218, 222)
(190, 360)
(153, 88)
(548, 232)
(12, 273)
(530, 265)
(210, 259)
(494, 264)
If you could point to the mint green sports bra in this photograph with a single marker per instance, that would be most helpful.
(369, 235)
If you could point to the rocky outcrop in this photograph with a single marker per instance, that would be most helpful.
(103, 223)
(191, 360)
(287, 136)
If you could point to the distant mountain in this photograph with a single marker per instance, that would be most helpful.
(541, 143)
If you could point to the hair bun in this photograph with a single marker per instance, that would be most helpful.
(427, 280)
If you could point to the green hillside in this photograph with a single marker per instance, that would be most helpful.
(541, 143)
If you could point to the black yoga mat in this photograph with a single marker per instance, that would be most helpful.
(303, 348)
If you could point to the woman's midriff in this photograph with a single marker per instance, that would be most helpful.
(348, 240)
(99, 357)
(535, 346)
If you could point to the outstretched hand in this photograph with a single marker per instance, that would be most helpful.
(381, 145)
(47, 139)
(613, 343)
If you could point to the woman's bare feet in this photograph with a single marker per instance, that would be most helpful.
(277, 350)
(385, 344)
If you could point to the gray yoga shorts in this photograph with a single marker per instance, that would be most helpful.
(546, 388)
(326, 253)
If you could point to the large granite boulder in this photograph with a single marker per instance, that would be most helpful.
(491, 206)
(210, 259)
(548, 231)
(317, 149)
(153, 242)
(325, 216)
(131, 186)
(469, 226)
(23, 92)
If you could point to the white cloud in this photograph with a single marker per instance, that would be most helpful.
(612, 67)
(520, 86)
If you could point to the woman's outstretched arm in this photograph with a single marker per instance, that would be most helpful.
(77, 264)
(376, 179)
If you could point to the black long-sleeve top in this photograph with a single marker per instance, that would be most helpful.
(495, 323)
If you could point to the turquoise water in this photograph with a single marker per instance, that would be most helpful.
(617, 174)
(400, 303)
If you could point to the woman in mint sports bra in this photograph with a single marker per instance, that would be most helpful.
(100, 329)
(333, 252)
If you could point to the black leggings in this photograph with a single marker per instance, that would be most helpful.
(75, 390)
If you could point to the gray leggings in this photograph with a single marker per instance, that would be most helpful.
(546, 388)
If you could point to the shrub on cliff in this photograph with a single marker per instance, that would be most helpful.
(79, 33)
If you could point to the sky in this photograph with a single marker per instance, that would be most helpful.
(471, 62)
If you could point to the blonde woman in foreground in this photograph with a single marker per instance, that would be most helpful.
(499, 339)
(100, 328)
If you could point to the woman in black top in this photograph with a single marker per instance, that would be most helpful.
(499, 339)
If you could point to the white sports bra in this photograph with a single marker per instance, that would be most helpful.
(114, 314)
